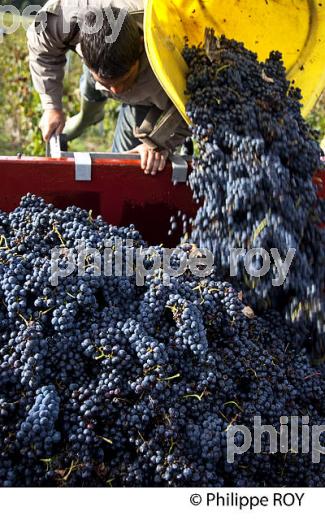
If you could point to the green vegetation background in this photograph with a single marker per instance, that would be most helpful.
(20, 109)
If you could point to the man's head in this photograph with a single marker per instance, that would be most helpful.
(114, 65)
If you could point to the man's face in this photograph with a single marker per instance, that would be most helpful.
(119, 85)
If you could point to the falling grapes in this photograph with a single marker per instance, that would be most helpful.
(254, 177)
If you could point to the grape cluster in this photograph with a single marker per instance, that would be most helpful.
(38, 429)
(253, 177)
(105, 382)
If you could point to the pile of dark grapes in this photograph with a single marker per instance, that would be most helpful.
(254, 177)
(107, 383)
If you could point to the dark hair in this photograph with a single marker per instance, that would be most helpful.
(110, 60)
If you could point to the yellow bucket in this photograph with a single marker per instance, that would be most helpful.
(294, 27)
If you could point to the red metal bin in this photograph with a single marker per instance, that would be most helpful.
(118, 190)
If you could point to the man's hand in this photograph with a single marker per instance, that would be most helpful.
(52, 123)
(152, 161)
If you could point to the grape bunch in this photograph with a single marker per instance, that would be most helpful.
(105, 382)
(253, 177)
(38, 429)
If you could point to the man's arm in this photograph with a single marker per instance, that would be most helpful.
(178, 137)
(161, 133)
(164, 130)
(47, 58)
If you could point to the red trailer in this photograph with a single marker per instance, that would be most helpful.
(110, 185)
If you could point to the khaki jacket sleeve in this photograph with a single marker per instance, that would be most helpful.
(164, 130)
(179, 136)
(47, 59)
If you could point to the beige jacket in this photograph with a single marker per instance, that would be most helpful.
(49, 44)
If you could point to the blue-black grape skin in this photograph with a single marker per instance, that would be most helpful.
(103, 382)
(254, 177)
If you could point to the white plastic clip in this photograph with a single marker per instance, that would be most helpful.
(53, 147)
(180, 168)
(83, 166)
